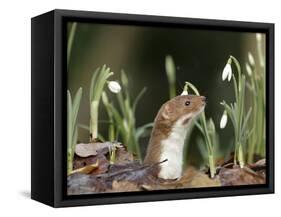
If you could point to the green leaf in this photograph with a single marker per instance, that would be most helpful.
(84, 126)
(74, 141)
(199, 127)
(121, 102)
(93, 80)
(128, 111)
(237, 64)
(97, 85)
(104, 75)
(119, 120)
(76, 105)
(170, 69)
(142, 129)
(69, 120)
(124, 79)
(101, 138)
(202, 149)
(171, 75)
(211, 126)
(72, 131)
(141, 93)
(70, 40)
(235, 88)
(105, 99)
(241, 100)
(246, 119)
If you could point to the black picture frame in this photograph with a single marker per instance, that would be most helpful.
(48, 163)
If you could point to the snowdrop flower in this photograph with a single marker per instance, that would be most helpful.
(258, 37)
(248, 69)
(223, 121)
(251, 59)
(114, 86)
(227, 71)
(184, 92)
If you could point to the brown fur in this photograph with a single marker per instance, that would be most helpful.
(168, 114)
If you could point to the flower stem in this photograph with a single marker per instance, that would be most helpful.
(206, 133)
(94, 119)
(112, 153)
(241, 156)
(98, 81)
(239, 89)
(69, 163)
(212, 166)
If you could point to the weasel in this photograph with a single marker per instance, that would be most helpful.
(168, 134)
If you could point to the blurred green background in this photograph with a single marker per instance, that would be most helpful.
(199, 56)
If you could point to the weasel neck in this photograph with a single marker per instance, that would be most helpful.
(172, 150)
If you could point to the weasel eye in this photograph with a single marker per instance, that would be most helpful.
(187, 103)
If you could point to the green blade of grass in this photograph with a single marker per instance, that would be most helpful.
(93, 80)
(139, 96)
(69, 120)
(246, 119)
(76, 105)
(142, 129)
(171, 75)
(70, 40)
(84, 126)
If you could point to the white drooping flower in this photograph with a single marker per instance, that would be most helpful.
(249, 69)
(223, 121)
(114, 86)
(251, 59)
(258, 37)
(184, 93)
(229, 75)
(227, 72)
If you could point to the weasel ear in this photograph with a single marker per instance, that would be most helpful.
(167, 111)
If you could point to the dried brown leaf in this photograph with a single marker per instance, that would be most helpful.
(133, 174)
(92, 149)
(80, 162)
(191, 178)
(240, 176)
(203, 180)
(122, 186)
(123, 156)
(79, 183)
(87, 169)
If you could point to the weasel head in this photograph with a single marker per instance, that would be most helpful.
(177, 113)
(184, 107)
(169, 131)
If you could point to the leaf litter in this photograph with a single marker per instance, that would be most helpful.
(93, 173)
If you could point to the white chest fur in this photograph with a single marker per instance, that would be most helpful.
(172, 150)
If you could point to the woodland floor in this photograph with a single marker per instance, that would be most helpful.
(93, 173)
